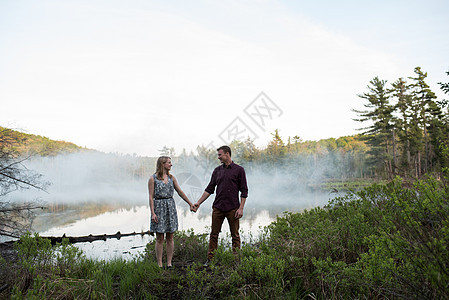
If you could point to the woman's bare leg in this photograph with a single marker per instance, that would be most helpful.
(170, 247)
(159, 248)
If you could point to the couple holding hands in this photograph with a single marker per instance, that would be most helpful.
(229, 179)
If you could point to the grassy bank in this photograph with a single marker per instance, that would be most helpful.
(345, 185)
(386, 241)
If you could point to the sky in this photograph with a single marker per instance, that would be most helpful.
(134, 76)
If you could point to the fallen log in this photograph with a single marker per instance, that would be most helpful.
(86, 238)
(92, 238)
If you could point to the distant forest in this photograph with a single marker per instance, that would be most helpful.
(405, 132)
(24, 144)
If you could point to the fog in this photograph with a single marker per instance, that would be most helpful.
(87, 177)
(96, 193)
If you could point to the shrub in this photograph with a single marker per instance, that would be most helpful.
(387, 240)
(189, 248)
(409, 256)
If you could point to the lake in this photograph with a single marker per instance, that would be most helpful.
(96, 193)
(99, 218)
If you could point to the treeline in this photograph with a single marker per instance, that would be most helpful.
(20, 145)
(333, 158)
(408, 128)
(407, 135)
(24, 143)
(306, 161)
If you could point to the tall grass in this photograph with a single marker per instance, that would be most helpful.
(387, 241)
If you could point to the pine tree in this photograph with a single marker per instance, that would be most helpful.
(379, 134)
(443, 146)
(423, 104)
(401, 91)
(276, 149)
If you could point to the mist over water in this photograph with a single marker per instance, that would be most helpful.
(98, 193)
(99, 178)
(88, 177)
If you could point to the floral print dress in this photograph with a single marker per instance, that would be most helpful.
(164, 207)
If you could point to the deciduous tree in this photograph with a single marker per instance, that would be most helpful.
(15, 218)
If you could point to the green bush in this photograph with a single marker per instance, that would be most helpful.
(42, 269)
(189, 248)
(409, 256)
(387, 241)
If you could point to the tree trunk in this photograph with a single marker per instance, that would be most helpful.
(395, 163)
(418, 169)
(409, 159)
(426, 148)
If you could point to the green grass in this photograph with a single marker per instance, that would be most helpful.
(386, 241)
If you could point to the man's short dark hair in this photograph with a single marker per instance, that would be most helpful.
(225, 149)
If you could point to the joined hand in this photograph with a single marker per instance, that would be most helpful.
(195, 207)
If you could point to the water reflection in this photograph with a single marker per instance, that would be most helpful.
(109, 219)
(97, 193)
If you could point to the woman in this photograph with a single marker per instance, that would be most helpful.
(164, 218)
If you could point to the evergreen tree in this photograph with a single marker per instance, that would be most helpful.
(244, 151)
(401, 91)
(425, 110)
(444, 134)
(445, 86)
(276, 149)
(379, 134)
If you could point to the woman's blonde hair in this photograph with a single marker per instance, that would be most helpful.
(160, 167)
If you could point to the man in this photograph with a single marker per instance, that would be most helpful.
(229, 178)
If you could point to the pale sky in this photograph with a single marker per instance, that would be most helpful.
(134, 76)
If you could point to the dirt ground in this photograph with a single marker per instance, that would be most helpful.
(9, 255)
